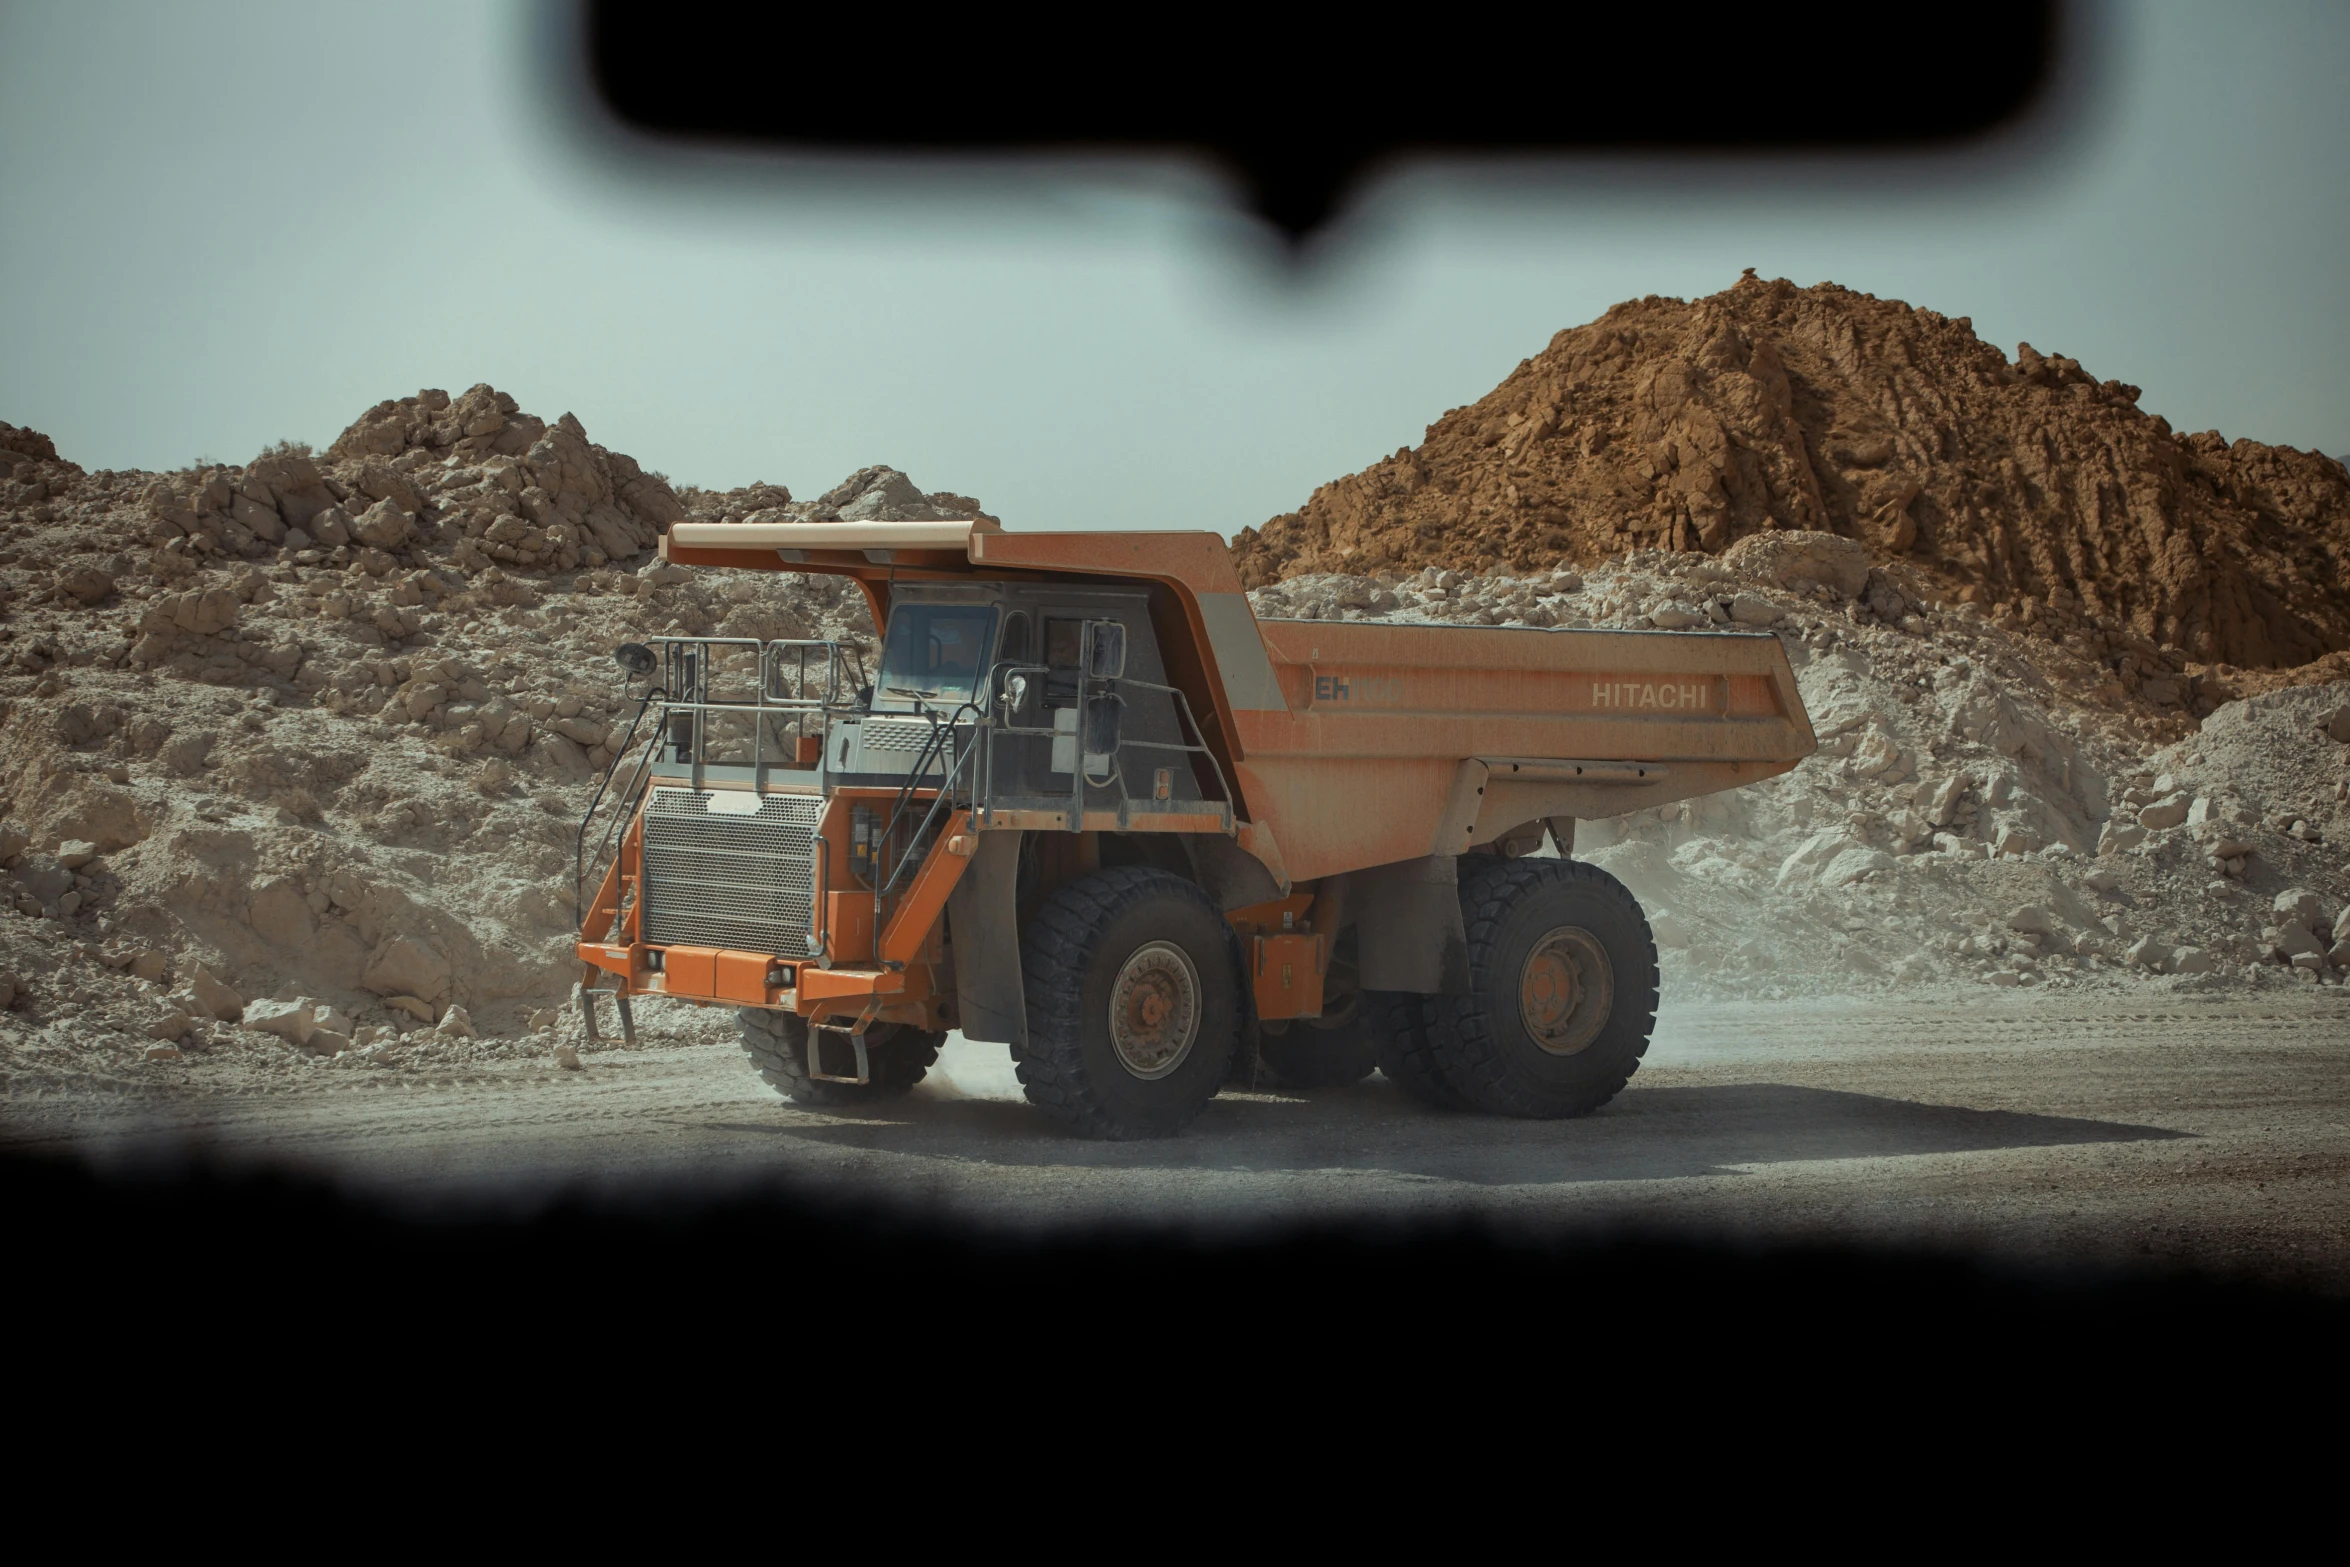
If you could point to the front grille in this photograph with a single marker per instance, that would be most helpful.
(881, 735)
(745, 883)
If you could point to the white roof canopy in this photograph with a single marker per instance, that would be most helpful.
(824, 535)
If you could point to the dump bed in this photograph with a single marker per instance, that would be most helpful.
(1391, 741)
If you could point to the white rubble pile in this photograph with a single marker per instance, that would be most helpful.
(1976, 813)
(293, 755)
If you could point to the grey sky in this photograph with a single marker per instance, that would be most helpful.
(225, 225)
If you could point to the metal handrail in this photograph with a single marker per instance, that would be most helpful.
(581, 861)
(967, 770)
(941, 736)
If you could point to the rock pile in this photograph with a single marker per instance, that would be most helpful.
(292, 754)
(1975, 814)
(2028, 487)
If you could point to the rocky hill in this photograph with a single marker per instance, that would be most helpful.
(2027, 486)
(322, 726)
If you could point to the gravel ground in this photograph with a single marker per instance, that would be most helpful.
(2206, 1133)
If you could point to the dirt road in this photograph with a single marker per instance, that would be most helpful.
(2211, 1134)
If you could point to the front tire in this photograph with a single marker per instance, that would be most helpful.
(1562, 996)
(1133, 983)
(897, 1056)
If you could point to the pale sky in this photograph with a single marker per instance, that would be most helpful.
(225, 225)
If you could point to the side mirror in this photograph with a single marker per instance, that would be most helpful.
(1015, 694)
(1105, 650)
(1104, 715)
(636, 659)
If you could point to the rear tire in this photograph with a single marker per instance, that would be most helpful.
(1402, 1030)
(1306, 1056)
(1562, 996)
(898, 1056)
(1134, 1008)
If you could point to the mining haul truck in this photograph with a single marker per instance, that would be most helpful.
(1089, 806)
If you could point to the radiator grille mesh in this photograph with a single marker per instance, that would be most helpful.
(745, 883)
(881, 735)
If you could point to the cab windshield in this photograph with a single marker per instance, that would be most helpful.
(934, 653)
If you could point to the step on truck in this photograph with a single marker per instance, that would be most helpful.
(1088, 806)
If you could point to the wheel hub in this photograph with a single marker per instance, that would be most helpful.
(1154, 1010)
(1566, 990)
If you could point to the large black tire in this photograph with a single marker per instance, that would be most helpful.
(1306, 1056)
(1402, 1029)
(1562, 996)
(1156, 950)
(897, 1055)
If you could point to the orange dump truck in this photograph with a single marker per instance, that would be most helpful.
(1089, 806)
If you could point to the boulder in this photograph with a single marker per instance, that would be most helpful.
(281, 916)
(205, 612)
(328, 1042)
(1853, 864)
(290, 1021)
(1813, 855)
(2031, 919)
(2147, 953)
(2193, 960)
(213, 997)
(1794, 559)
(1874, 755)
(2164, 813)
(2292, 939)
(187, 754)
(86, 584)
(2342, 924)
(1749, 610)
(257, 517)
(1675, 617)
(456, 1023)
(380, 481)
(383, 525)
(293, 483)
(170, 1025)
(2337, 724)
(2294, 903)
(412, 1006)
(75, 853)
(79, 723)
(404, 966)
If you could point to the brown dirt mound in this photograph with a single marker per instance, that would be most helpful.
(2031, 487)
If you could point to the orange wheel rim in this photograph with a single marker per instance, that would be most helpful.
(1566, 990)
